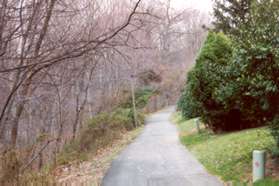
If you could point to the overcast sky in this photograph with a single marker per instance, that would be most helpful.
(204, 5)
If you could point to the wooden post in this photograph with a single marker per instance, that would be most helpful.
(134, 100)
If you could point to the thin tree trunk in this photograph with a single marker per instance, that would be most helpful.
(27, 86)
(79, 109)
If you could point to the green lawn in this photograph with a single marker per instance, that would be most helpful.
(226, 155)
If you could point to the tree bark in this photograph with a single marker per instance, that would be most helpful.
(27, 86)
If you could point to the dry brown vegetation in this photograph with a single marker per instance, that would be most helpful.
(65, 61)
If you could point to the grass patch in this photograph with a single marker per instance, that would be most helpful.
(267, 182)
(192, 140)
(188, 131)
(230, 155)
(227, 155)
(184, 125)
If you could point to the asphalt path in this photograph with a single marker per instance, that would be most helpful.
(156, 158)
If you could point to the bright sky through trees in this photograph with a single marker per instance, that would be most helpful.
(204, 5)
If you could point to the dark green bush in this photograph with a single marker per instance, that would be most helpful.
(234, 84)
(252, 86)
(188, 104)
(274, 126)
(199, 96)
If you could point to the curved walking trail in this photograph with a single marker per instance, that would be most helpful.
(156, 158)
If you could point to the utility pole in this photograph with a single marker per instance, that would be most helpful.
(134, 100)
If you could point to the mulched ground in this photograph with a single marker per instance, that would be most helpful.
(272, 168)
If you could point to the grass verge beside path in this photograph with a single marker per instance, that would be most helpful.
(226, 155)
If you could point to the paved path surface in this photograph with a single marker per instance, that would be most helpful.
(156, 158)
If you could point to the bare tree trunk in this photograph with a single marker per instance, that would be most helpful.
(2, 24)
(6, 111)
(26, 87)
(80, 108)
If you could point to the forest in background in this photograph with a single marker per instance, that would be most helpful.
(63, 62)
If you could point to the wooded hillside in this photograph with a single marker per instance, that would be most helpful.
(64, 61)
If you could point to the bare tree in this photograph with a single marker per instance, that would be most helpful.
(62, 62)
